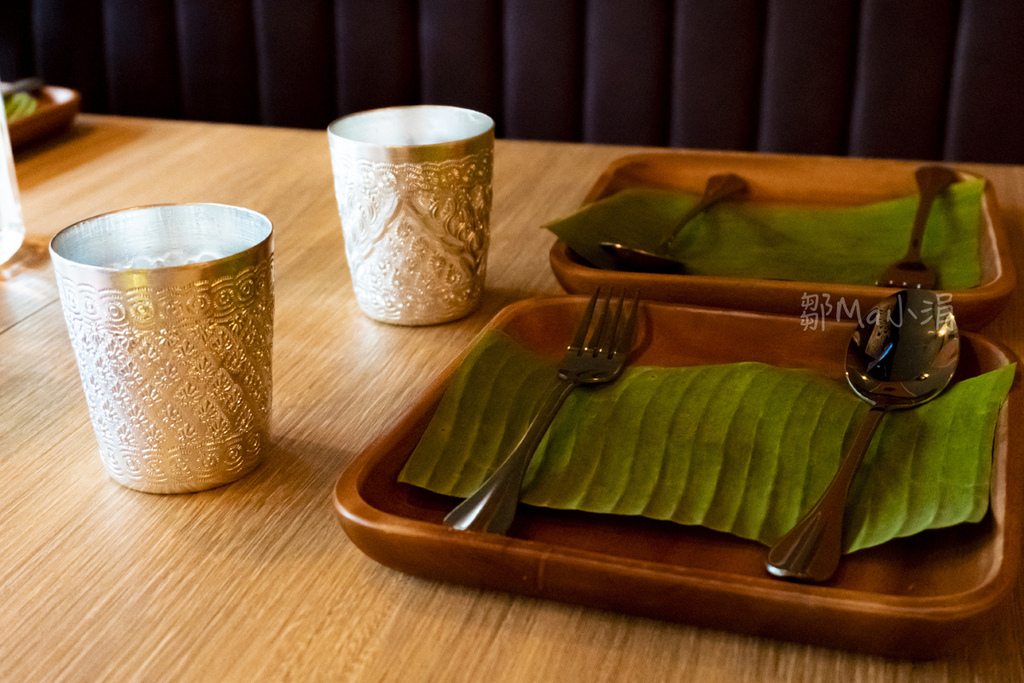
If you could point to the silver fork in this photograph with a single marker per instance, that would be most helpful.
(600, 359)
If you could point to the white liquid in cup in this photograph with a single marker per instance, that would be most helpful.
(167, 259)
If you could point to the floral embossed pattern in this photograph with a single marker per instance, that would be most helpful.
(416, 234)
(178, 379)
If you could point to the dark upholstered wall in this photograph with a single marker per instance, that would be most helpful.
(923, 79)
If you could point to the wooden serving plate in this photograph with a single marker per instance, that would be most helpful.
(916, 597)
(57, 109)
(792, 180)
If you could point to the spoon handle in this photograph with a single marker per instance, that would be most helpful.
(718, 187)
(810, 551)
(931, 182)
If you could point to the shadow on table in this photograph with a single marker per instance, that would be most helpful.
(102, 140)
(34, 254)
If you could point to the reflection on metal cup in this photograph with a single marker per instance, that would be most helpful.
(413, 186)
(170, 310)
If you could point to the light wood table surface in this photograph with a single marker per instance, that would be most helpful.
(256, 580)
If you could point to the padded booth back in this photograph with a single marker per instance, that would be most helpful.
(923, 79)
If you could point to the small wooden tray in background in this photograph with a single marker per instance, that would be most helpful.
(57, 109)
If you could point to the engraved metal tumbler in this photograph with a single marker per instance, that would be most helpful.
(414, 194)
(170, 310)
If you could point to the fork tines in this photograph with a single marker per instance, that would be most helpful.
(606, 339)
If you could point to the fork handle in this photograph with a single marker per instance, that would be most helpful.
(493, 506)
(931, 182)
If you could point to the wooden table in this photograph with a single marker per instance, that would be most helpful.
(256, 581)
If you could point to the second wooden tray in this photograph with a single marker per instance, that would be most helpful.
(814, 181)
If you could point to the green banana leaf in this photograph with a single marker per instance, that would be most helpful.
(19, 105)
(742, 448)
(845, 245)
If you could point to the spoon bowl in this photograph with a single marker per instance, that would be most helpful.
(903, 354)
(718, 188)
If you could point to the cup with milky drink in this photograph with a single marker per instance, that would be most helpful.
(170, 310)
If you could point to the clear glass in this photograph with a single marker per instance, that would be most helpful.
(12, 228)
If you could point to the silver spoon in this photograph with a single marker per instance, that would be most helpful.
(718, 187)
(904, 354)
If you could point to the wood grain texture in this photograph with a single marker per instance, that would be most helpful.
(255, 580)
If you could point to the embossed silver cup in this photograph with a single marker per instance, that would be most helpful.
(414, 194)
(170, 310)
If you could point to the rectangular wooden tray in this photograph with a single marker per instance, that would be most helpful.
(917, 597)
(795, 180)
